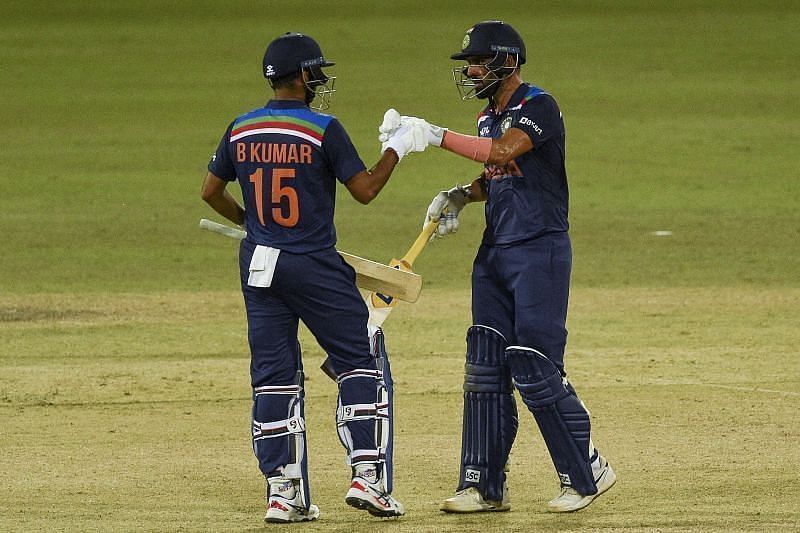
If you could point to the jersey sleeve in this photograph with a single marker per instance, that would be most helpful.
(541, 119)
(342, 155)
(221, 164)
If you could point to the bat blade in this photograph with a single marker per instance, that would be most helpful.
(380, 303)
(394, 284)
(400, 284)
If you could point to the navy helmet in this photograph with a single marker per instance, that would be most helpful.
(293, 53)
(494, 41)
(489, 38)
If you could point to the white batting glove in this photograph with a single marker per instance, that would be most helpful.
(406, 139)
(393, 120)
(435, 134)
(445, 208)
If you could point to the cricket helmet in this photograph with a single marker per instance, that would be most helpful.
(488, 38)
(293, 53)
(494, 41)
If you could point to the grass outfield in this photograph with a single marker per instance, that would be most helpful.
(112, 433)
(123, 362)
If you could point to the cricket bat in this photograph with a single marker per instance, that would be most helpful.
(392, 283)
(380, 304)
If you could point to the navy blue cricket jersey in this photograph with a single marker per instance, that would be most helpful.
(287, 159)
(529, 196)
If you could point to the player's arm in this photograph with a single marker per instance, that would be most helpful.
(366, 185)
(446, 205)
(477, 190)
(513, 143)
(215, 195)
(500, 152)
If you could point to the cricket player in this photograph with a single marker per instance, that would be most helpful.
(520, 278)
(287, 158)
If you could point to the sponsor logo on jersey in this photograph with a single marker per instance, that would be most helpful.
(485, 131)
(528, 122)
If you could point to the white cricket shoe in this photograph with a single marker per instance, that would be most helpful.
(284, 503)
(571, 500)
(470, 500)
(367, 492)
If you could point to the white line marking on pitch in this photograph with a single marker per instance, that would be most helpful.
(753, 389)
(731, 387)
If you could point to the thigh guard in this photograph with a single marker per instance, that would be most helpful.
(364, 412)
(279, 432)
(561, 416)
(490, 414)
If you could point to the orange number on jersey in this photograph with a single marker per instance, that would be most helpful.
(256, 178)
(279, 191)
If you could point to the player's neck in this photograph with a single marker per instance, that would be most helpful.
(505, 91)
(290, 94)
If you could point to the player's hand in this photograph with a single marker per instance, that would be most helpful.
(392, 120)
(434, 133)
(444, 210)
(406, 139)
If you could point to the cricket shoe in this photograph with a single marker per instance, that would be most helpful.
(571, 500)
(367, 492)
(470, 500)
(285, 504)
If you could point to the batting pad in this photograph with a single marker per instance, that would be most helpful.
(490, 414)
(384, 430)
(561, 416)
(362, 416)
(279, 432)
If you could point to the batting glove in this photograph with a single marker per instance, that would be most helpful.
(434, 134)
(445, 208)
(406, 139)
(392, 120)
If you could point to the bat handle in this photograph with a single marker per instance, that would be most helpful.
(419, 244)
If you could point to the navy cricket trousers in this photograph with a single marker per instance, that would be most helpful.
(319, 289)
(522, 291)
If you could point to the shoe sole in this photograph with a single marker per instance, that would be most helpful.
(272, 520)
(301, 518)
(364, 505)
(492, 509)
(587, 499)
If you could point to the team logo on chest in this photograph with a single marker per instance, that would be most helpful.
(505, 124)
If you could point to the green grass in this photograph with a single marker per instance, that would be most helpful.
(123, 361)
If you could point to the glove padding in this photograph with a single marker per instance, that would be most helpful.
(444, 208)
(392, 120)
(404, 139)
